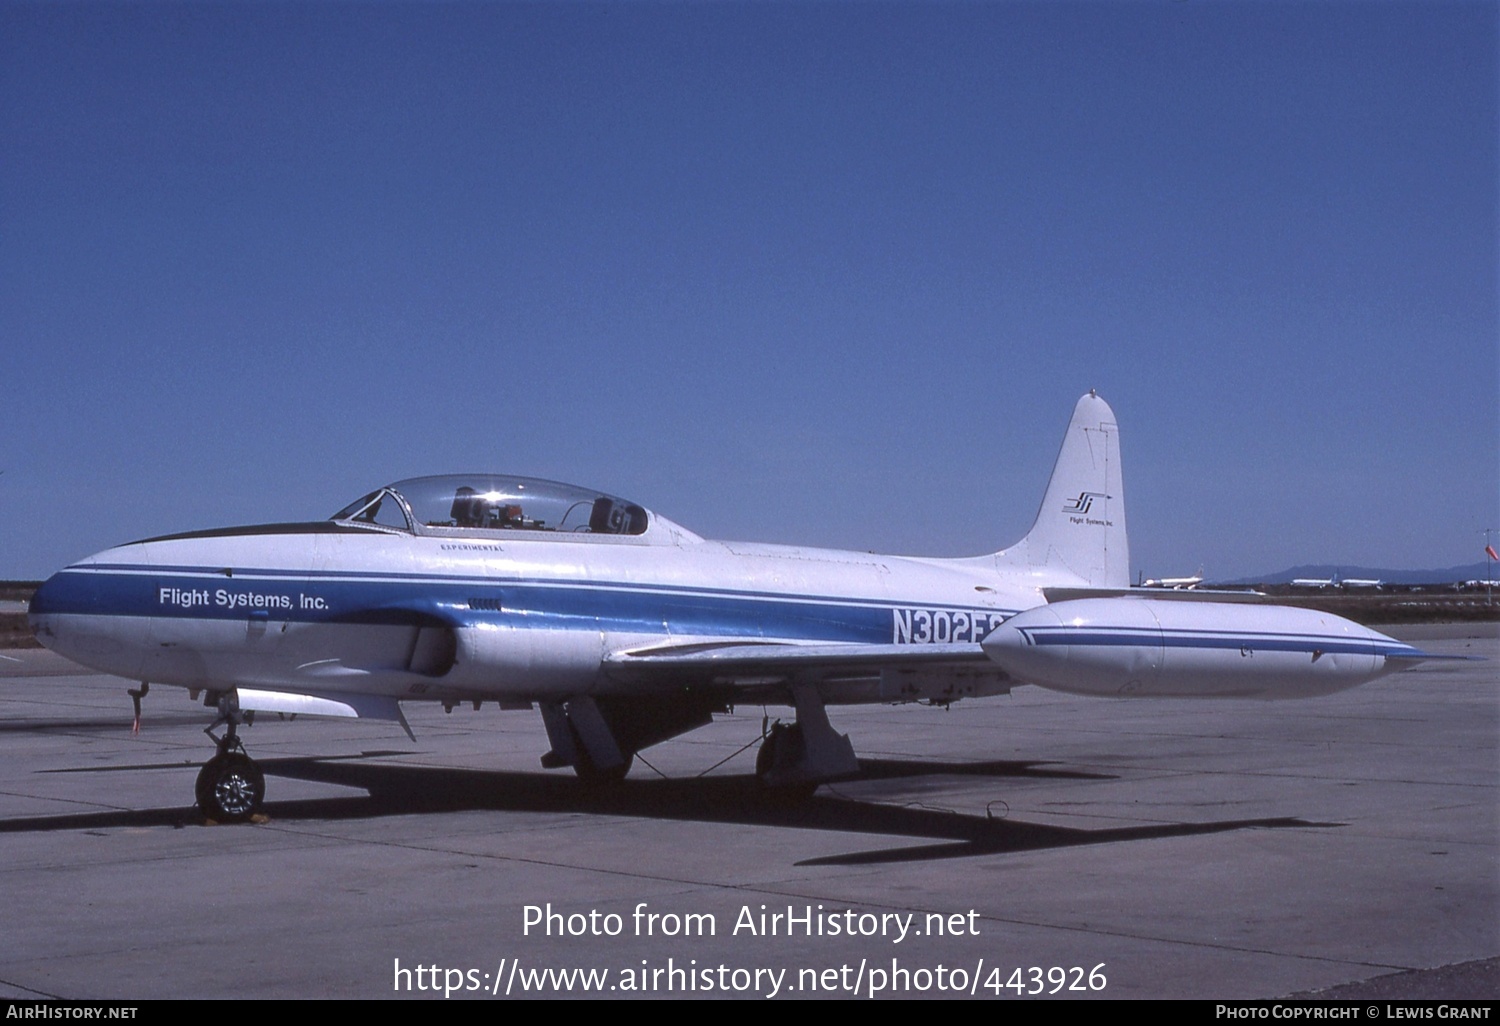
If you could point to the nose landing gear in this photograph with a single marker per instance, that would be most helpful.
(230, 787)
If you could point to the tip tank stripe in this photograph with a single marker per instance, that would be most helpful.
(1263, 640)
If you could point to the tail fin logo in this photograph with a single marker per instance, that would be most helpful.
(1083, 503)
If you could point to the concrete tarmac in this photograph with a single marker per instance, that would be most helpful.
(1229, 850)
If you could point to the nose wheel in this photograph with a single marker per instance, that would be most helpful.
(230, 787)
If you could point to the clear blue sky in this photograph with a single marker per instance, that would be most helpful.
(820, 273)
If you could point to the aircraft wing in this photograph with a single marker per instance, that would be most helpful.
(849, 672)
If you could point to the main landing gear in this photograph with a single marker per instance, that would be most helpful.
(599, 736)
(783, 745)
(230, 786)
(795, 758)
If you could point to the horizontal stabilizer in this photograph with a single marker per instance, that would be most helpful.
(1055, 595)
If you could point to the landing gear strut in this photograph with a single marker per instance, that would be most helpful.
(230, 786)
(794, 759)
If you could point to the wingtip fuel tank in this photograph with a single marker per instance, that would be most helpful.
(1132, 646)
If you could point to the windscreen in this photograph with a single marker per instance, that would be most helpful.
(486, 502)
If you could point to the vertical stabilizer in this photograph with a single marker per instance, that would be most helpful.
(1079, 533)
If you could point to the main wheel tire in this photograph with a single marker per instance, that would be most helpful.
(592, 776)
(766, 757)
(230, 788)
(788, 738)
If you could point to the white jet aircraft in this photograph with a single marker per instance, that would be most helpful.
(627, 629)
(1178, 583)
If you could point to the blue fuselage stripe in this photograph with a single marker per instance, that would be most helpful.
(200, 574)
(355, 597)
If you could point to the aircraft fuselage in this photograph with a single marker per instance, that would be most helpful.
(525, 618)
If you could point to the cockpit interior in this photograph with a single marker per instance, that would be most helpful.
(482, 502)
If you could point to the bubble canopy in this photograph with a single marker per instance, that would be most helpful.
(465, 503)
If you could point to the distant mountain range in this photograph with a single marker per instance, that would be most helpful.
(1385, 575)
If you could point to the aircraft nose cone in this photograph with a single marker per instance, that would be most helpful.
(93, 618)
(44, 601)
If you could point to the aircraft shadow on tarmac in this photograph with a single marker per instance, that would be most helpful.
(105, 726)
(417, 790)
